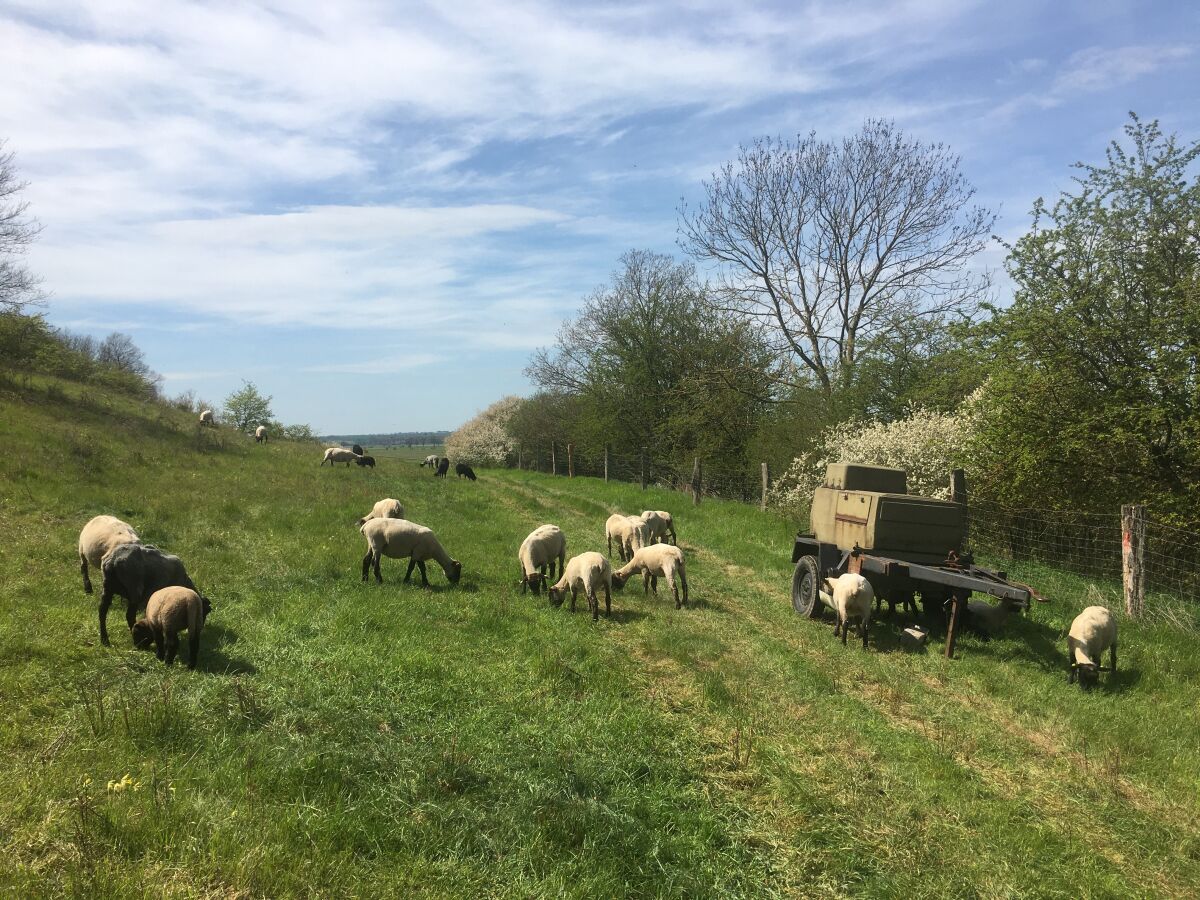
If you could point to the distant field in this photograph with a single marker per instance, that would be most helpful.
(406, 454)
(351, 739)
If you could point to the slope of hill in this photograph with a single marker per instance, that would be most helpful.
(342, 738)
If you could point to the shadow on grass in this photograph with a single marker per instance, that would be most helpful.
(214, 659)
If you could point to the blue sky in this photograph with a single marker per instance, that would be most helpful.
(375, 211)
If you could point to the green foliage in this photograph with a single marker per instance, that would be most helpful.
(296, 433)
(246, 408)
(1095, 391)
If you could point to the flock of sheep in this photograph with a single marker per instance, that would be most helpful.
(207, 421)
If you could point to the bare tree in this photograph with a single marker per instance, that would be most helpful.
(118, 351)
(832, 245)
(18, 286)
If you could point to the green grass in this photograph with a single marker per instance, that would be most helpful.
(343, 738)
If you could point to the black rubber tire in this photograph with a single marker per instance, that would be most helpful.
(806, 586)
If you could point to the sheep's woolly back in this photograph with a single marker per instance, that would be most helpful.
(851, 596)
(654, 559)
(544, 544)
(587, 572)
(400, 539)
(1092, 632)
(384, 509)
(206, 415)
(339, 455)
(102, 534)
(175, 609)
(260, 431)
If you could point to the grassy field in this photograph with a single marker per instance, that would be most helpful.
(350, 739)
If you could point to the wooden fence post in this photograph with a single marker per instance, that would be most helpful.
(570, 460)
(958, 494)
(643, 468)
(553, 458)
(520, 464)
(606, 462)
(696, 481)
(1133, 550)
(765, 483)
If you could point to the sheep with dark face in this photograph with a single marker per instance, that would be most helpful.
(260, 434)
(852, 598)
(400, 539)
(665, 560)
(587, 572)
(660, 526)
(168, 612)
(384, 509)
(463, 469)
(366, 461)
(135, 571)
(339, 455)
(431, 460)
(544, 545)
(206, 419)
(1092, 632)
(443, 467)
(99, 536)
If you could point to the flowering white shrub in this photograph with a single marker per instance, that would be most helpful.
(926, 444)
(485, 440)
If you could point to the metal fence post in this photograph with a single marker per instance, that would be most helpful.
(958, 494)
(1133, 548)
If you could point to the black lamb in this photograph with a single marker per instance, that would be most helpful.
(366, 461)
(463, 469)
(443, 467)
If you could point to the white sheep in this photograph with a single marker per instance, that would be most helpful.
(851, 597)
(431, 461)
(988, 619)
(630, 533)
(400, 539)
(587, 572)
(206, 418)
(544, 545)
(260, 434)
(99, 536)
(384, 509)
(339, 454)
(652, 561)
(660, 524)
(1092, 632)
(168, 612)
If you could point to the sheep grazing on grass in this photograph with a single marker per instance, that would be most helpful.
(542, 548)
(135, 571)
(653, 561)
(260, 434)
(443, 466)
(206, 418)
(628, 531)
(168, 612)
(99, 536)
(400, 539)
(463, 469)
(852, 598)
(660, 525)
(384, 509)
(587, 572)
(431, 460)
(339, 455)
(1092, 632)
(366, 461)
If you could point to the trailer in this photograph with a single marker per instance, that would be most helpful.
(865, 521)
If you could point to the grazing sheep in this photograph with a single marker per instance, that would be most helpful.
(661, 525)
(851, 597)
(545, 544)
(431, 460)
(629, 533)
(400, 538)
(988, 619)
(1092, 632)
(206, 418)
(443, 466)
(357, 448)
(168, 612)
(260, 434)
(135, 571)
(99, 536)
(463, 469)
(366, 461)
(652, 561)
(384, 509)
(586, 572)
(338, 455)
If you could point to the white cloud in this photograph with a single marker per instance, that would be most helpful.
(386, 365)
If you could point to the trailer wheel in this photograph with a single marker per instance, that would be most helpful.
(806, 584)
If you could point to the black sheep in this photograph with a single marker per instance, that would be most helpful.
(357, 448)
(366, 461)
(135, 571)
(443, 467)
(463, 469)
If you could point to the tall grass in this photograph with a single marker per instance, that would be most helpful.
(350, 739)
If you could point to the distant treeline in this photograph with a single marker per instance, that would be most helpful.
(396, 439)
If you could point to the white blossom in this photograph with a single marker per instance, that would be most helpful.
(485, 440)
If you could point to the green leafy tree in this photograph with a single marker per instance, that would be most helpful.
(1095, 389)
(246, 408)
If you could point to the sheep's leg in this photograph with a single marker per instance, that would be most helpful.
(683, 581)
(1071, 671)
(424, 576)
(1113, 656)
(654, 584)
(593, 603)
(609, 536)
(412, 564)
(105, 603)
(131, 609)
(83, 568)
(646, 583)
(160, 643)
(367, 563)
(377, 556)
(670, 576)
(572, 598)
(193, 647)
(865, 628)
(172, 648)
(607, 600)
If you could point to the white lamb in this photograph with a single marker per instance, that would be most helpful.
(542, 548)
(988, 619)
(660, 524)
(653, 561)
(99, 536)
(587, 572)
(260, 434)
(851, 597)
(630, 533)
(206, 418)
(384, 509)
(1093, 631)
(400, 539)
(339, 454)
(431, 461)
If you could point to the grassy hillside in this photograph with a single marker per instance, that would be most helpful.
(343, 738)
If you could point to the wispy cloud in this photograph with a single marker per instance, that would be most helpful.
(386, 365)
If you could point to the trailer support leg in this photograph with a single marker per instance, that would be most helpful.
(958, 600)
